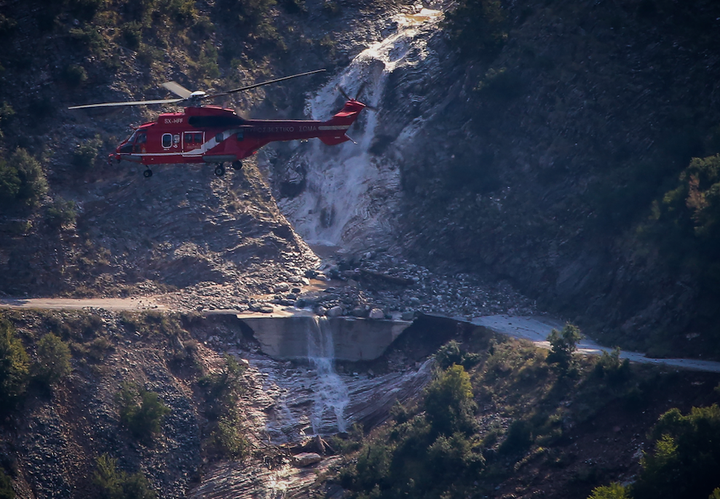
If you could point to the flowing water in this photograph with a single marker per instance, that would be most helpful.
(331, 393)
(351, 190)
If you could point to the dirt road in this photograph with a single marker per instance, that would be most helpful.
(114, 304)
(535, 329)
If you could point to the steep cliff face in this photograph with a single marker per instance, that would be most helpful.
(585, 117)
(536, 163)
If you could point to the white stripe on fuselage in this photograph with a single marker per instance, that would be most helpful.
(213, 142)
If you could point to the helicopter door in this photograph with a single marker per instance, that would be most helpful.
(193, 140)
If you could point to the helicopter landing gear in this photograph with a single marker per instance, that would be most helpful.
(237, 165)
(147, 173)
(220, 170)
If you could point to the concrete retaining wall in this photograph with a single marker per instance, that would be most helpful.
(354, 339)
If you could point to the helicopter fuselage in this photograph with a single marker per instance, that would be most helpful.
(213, 134)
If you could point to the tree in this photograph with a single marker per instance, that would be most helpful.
(563, 345)
(33, 184)
(612, 491)
(6, 490)
(14, 365)
(143, 419)
(449, 404)
(9, 183)
(686, 456)
(53, 362)
(115, 484)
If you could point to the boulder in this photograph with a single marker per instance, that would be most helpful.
(306, 459)
(335, 311)
(377, 313)
(408, 315)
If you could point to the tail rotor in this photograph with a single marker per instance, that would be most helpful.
(357, 96)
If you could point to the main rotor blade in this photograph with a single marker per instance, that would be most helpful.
(250, 87)
(133, 103)
(360, 90)
(343, 92)
(177, 89)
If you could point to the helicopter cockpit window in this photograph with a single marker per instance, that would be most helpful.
(167, 140)
(140, 138)
(127, 147)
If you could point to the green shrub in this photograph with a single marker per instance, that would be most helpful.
(132, 34)
(6, 115)
(21, 180)
(7, 26)
(563, 345)
(182, 11)
(98, 349)
(477, 27)
(207, 62)
(452, 457)
(222, 390)
(453, 353)
(86, 154)
(227, 438)
(60, 212)
(85, 10)
(612, 491)
(143, 419)
(686, 457)
(53, 362)
(14, 366)
(6, 490)
(153, 323)
(74, 75)
(519, 438)
(147, 54)
(89, 37)
(610, 367)
(449, 404)
(115, 484)
(685, 223)
(9, 183)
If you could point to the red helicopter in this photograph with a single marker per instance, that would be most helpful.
(212, 134)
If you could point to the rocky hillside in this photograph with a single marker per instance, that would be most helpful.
(73, 225)
(553, 157)
(550, 149)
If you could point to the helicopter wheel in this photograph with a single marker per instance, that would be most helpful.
(220, 170)
(237, 165)
(147, 173)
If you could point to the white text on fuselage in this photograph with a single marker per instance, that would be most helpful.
(282, 129)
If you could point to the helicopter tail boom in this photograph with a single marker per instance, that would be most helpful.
(336, 127)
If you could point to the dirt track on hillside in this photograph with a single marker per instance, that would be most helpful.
(535, 329)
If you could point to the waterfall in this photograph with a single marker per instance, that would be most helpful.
(351, 190)
(331, 394)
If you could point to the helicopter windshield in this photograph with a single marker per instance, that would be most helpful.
(135, 143)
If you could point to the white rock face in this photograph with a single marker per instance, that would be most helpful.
(352, 190)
